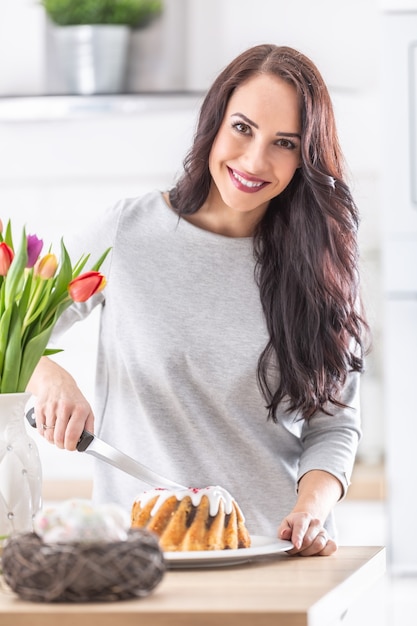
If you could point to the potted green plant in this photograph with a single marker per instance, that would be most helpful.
(92, 40)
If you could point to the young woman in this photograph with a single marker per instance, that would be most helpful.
(232, 339)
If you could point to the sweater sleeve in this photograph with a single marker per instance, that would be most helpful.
(94, 239)
(330, 442)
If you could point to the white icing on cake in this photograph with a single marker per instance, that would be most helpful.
(215, 495)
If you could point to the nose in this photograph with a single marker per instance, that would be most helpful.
(256, 157)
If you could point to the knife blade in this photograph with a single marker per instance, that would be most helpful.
(98, 448)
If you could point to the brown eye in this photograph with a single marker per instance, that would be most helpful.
(241, 127)
(286, 143)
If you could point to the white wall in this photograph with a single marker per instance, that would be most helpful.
(55, 169)
(22, 60)
(341, 37)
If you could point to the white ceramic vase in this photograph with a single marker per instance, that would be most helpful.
(20, 468)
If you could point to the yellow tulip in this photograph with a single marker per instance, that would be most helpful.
(46, 266)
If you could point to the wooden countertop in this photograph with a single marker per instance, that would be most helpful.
(276, 591)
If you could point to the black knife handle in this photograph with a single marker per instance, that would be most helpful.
(30, 416)
(84, 441)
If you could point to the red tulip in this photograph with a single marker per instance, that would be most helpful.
(83, 287)
(6, 258)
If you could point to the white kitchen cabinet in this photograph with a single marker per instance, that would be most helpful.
(401, 430)
(399, 204)
(399, 123)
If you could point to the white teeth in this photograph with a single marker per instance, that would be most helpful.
(247, 183)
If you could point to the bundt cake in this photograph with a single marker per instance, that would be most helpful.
(191, 519)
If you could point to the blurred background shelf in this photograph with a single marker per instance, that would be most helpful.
(368, 483)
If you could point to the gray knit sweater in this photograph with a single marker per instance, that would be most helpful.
(181, 332)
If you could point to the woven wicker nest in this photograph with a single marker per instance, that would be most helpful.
(81, 572)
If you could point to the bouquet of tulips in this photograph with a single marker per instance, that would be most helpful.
(34, 291)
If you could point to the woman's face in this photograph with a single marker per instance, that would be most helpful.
(257, 148)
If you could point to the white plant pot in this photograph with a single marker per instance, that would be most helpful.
(92, 59)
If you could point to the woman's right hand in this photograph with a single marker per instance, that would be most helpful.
(61, 410)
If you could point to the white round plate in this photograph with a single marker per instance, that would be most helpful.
(261, 546)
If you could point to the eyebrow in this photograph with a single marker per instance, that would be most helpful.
(252, 123)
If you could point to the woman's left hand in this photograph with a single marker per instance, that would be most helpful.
(307, 534)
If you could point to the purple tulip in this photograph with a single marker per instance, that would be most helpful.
(34, 248)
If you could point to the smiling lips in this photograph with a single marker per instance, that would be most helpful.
(244, 183)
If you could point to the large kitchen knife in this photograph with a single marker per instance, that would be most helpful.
(98, 448)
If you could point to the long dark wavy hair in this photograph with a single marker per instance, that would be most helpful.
(305, 246)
